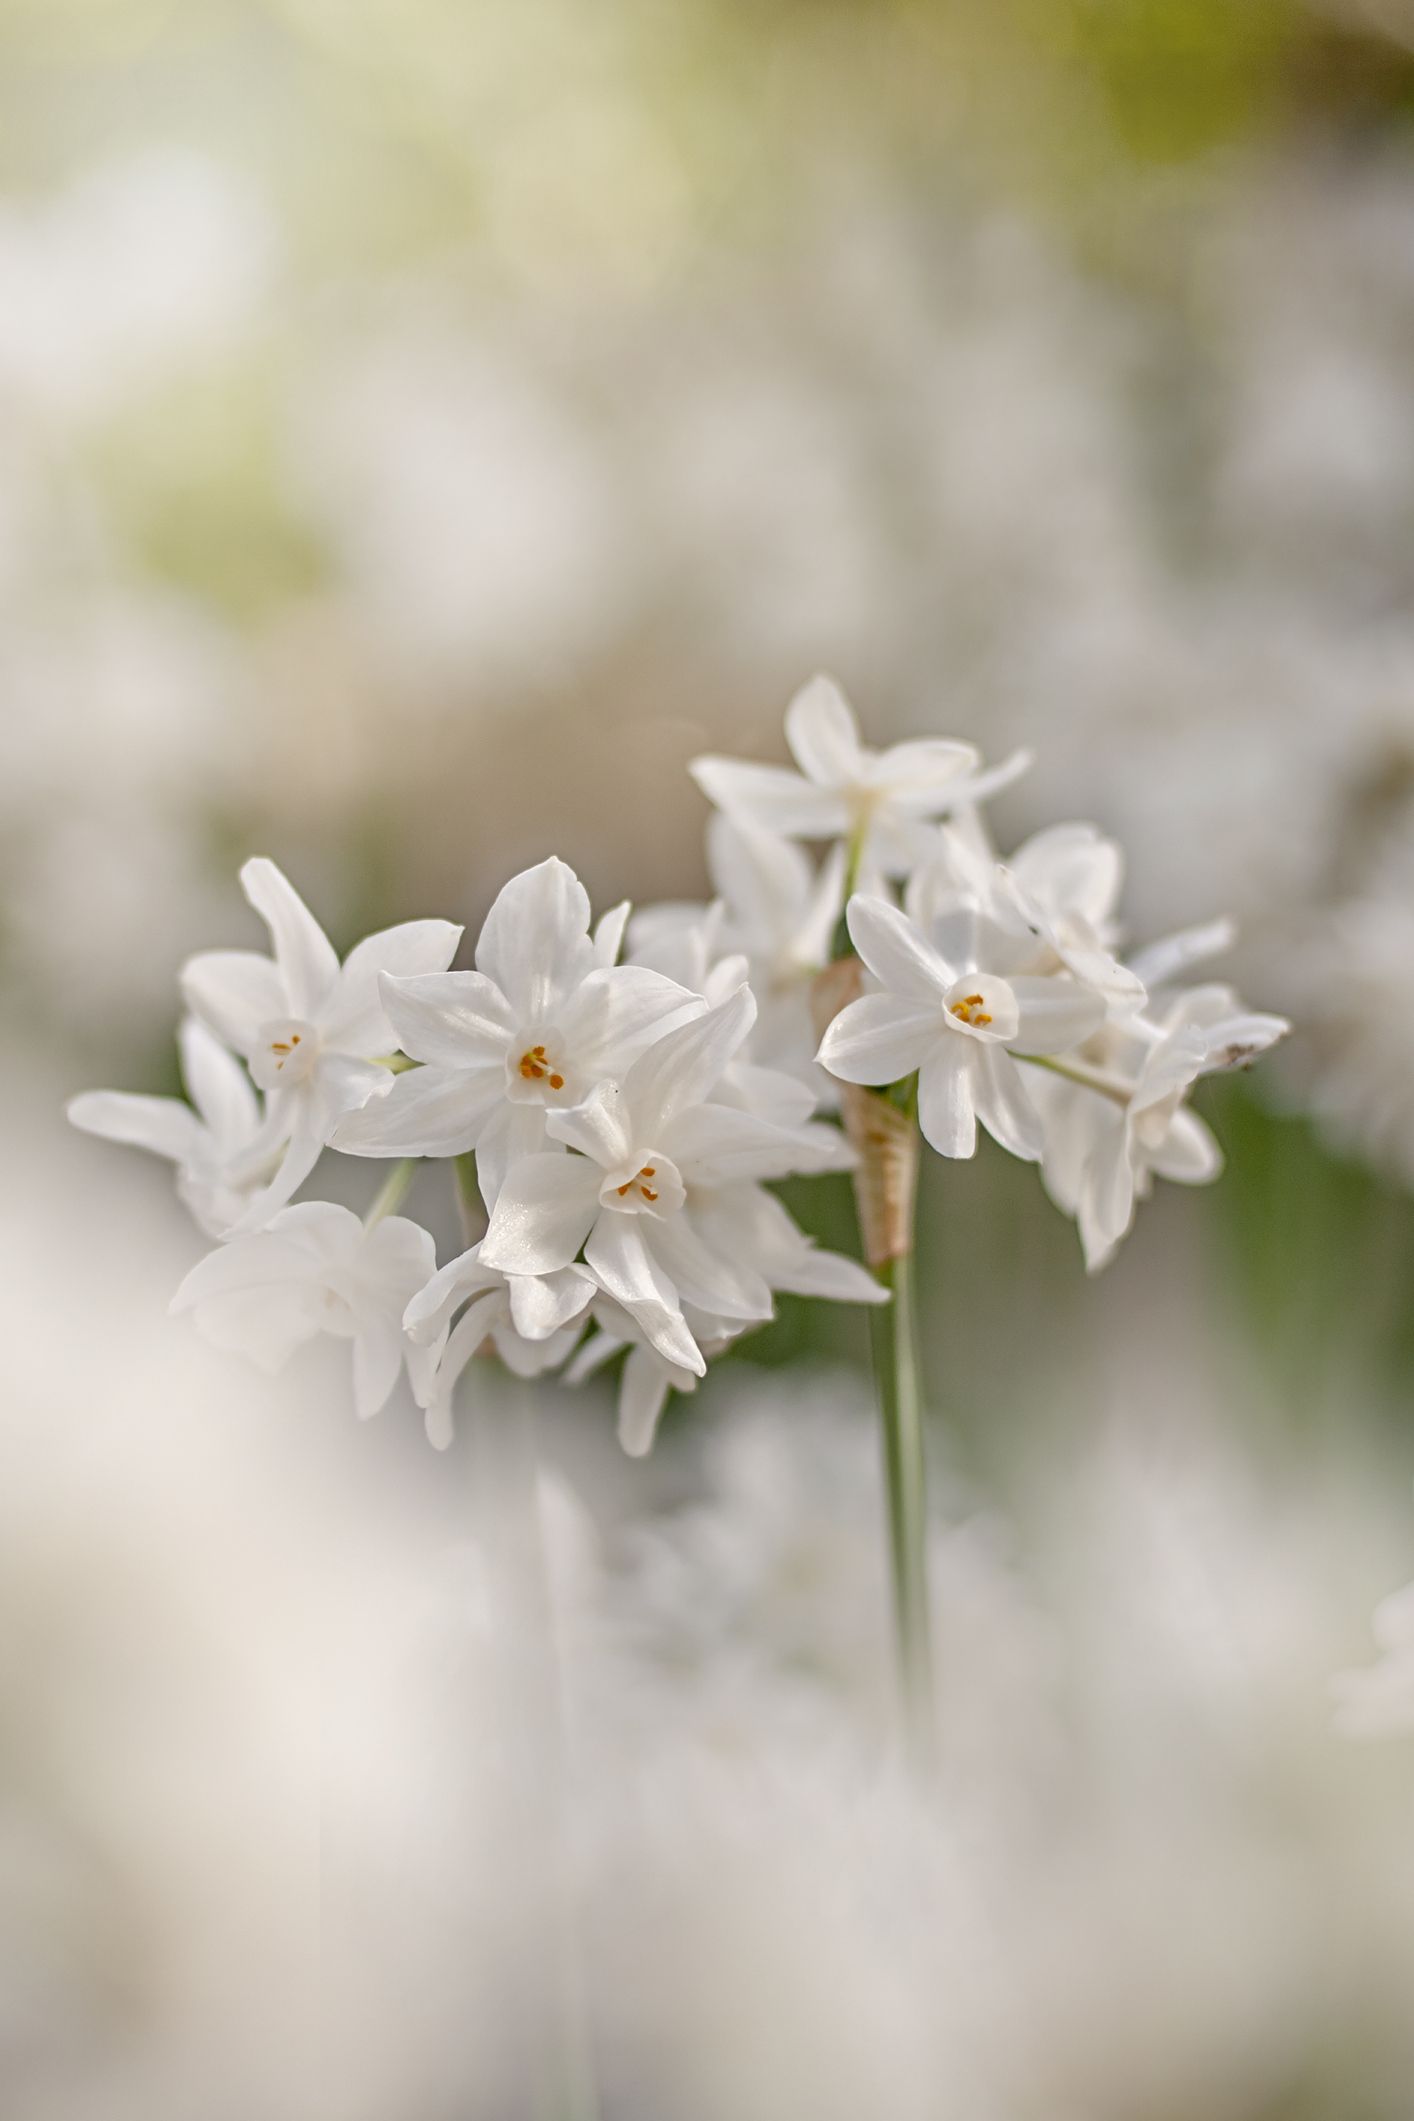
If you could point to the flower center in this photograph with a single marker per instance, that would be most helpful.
(537, 1068)
(652, 1187)
(287, 1053)
(971, 1009)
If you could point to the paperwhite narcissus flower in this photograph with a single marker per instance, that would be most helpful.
(211, 1145)
(781, 912)
(1060, 890)
(1115, 1117)
(876, 799)
(544, 1017)
(310, 1030)
(1378, 1702)
(531, 1321)
(649, 1149)
(940, 1014)
(317, 1269)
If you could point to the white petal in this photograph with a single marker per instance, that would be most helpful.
(355, 1019)
(924, 775)
(880, 1039)
(766, 880)
(1107, 1208)
(1002, 1105)
(709, 1279)
(302, 1153)
(945, 1108)
(511, 1132)
(771, 797)
(542, 1303)
(163, 1125)
(1188, 1153)
(712, 1144)
(615, 1014)
(309, 965)
(543, 1214)
(1162, 962)
(451, 1019)
(377, 1360)
(684, 1066)
(1055, 1013)
(789, 1259)
(596, 1128)
(609, 934)
(624, 1267)
(432, 1307)
(896, 951)
(264, 1324)
(234, 992)
(218, 1086)
(427, 1112)
(643, 1394)
(823, 735)
(535, 942)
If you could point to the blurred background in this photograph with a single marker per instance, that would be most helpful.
(424, 426)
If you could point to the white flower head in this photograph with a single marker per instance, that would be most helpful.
(843, 790)
(310, 1030)
(648, 1150)
(531, 1321)
(951, 1010)
(545, 1016)
(215, 1141)
(317, 1269)
(1119, 1118)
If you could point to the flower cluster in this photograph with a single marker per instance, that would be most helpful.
(629, 1089)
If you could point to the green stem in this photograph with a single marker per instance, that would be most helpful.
(392, 1193)
(896, 1373)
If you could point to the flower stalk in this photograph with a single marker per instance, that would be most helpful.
(882, 1127)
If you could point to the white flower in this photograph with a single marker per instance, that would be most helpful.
(211, 1146)
(1060, 888)
(544, 1017)
(1379, 1701)
(532, 1321)
(317, 1269)
(751, 1224)
(846, 791)
(939, 1013)
(650, 1150)
(1115, 1117)
(310, 1030)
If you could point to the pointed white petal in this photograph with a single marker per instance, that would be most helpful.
(823, 735)
(712, 1280)
(924, 775)
(896, 951)
(1188, 1152)
(771, 797)
(685, 1065)
(217, 1085)
(163, 1125)
(452, 1019)
(880, 1039)
(643, 1394)
(432, 1307)
(511, 1132)
(427, 1112)
(1055, 1014)
(542, 1303)
(535, 942)
(1003, 1106)
(617, 1012)
(609, 934)
(945, 1108)
(309, 966)
(234, 992)
(543, 1214)
(596, 1128)
(355, 1020)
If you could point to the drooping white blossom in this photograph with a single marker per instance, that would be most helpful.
(215, 1141)
(312, 1032)
(1115, 1116)
(531, 1321)
(876, 800)
(317, 1269)
(544, 1018)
